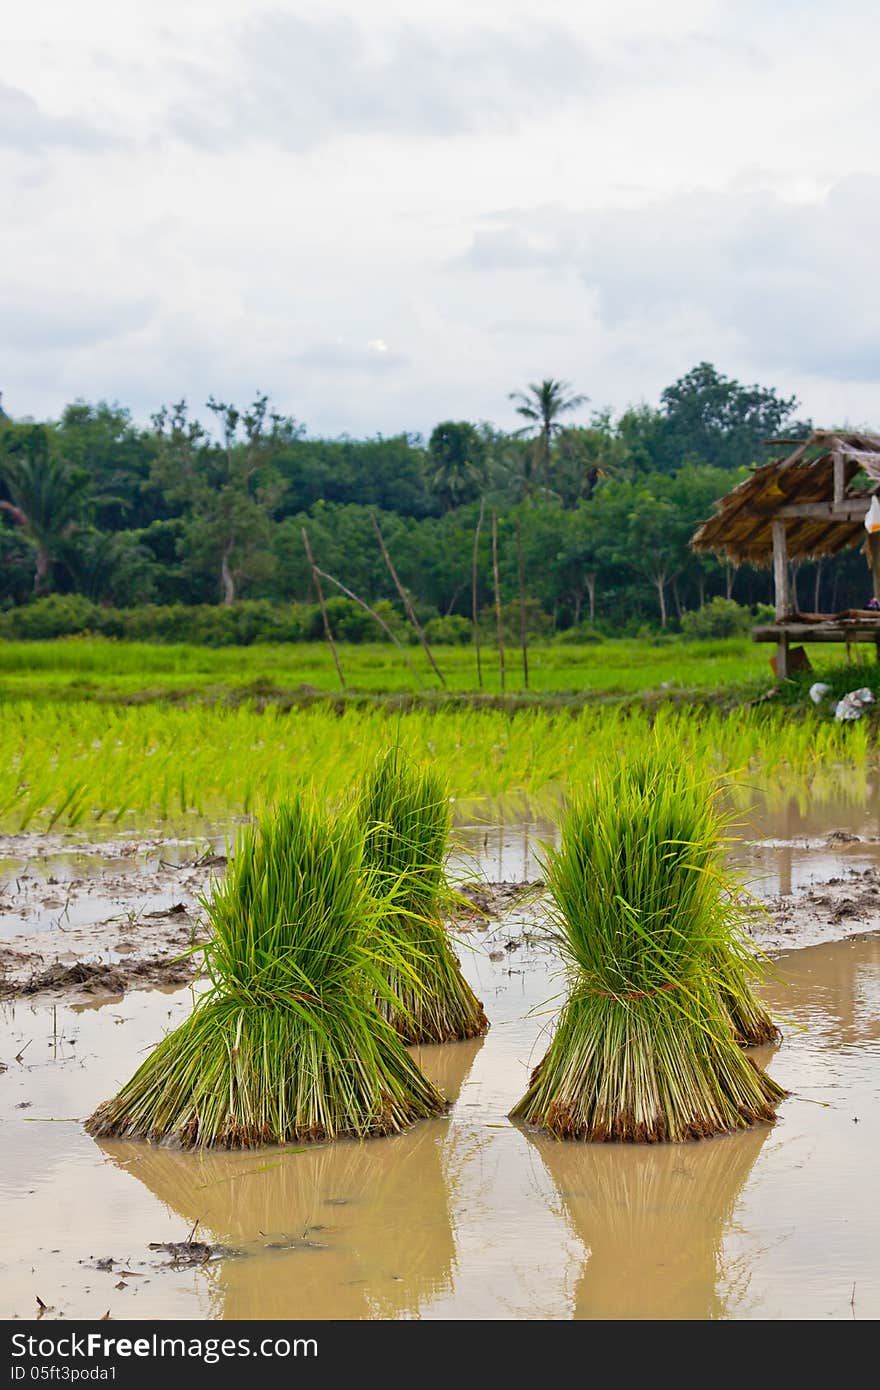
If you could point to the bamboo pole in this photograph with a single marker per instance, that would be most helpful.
(475, 611)
(349, 593)
(410, 611)
(317, 583)
(781, 592)
(497, 596)
(523, 625)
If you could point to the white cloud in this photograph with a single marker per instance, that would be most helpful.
(212, 197)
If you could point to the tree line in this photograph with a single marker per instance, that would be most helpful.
(211, 508)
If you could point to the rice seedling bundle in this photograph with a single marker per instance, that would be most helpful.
(406, 818)
(644, 1049)
(288, 1043)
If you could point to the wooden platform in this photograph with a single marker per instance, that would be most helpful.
(852, 626)
(832, 629)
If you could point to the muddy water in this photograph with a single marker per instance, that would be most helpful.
(62, 883)
(782, 844)
(465, 1216)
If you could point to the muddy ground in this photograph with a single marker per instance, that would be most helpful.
(85, 919)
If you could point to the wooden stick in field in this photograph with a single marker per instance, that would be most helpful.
(497, 596)
(475, 612)
(523, 626)
(349, 593)
(410, 611)
(317, 583)
(473, 591)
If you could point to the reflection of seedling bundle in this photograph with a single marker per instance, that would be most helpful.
(289, 1042)
(644, 1047)
(654, 1219)
(344, 1230)
(405, 814)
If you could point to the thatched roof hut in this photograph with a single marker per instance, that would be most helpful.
(820, 489)
(807, 503)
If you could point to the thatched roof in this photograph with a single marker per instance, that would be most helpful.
(798, 487)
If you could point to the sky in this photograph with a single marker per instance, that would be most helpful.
(384, 215)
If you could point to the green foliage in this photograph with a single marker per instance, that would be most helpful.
(721, 617)
(351, 623)
(56, 615)
(204, 511)
(212, 625)
(709, 417)
(46, 497)
(69, 615)
(450, 631)
(581, 636)
(457, 459)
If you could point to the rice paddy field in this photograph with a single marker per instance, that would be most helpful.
(77, 764)
(133, 766)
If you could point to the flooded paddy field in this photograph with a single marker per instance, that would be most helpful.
(466, 1216)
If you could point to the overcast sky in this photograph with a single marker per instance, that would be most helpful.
(386, 214)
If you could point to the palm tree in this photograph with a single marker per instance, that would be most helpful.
(46, 498)
(457, 458)
(542, 405)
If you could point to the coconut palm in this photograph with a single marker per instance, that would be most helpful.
(542, 406)
(457, 457)
(46, 498)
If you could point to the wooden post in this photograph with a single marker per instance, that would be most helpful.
(407, 603)
(350, 593)
(523, 625)
(497, 596)
(780, 585)
(317, 583)
(873, 544)
(839, 476)
(475, 611)
(874, 560)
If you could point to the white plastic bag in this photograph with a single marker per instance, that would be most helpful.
(872, 517)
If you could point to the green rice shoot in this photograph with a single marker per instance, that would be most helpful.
(405, 814)
(644, 1049)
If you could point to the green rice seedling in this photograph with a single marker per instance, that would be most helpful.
(288, 1043)
(737, 971)
(126, 761)
(643, 1049)
(405, 816)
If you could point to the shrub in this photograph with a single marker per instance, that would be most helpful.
(451, 631)
(56, 615)
(351, 623)
(722, 617)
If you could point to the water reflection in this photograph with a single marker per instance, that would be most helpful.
(346, 1230)
(783, 838)
(832, 989)
(653, 1219)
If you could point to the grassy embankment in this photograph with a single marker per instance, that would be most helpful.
(88, 668)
